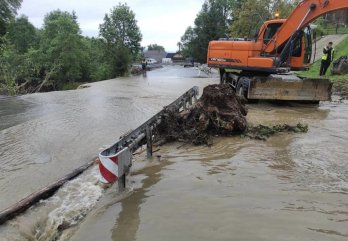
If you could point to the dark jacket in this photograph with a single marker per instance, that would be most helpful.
(328, 54)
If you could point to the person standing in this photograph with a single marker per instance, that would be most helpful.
(143, 65)
(326, 59)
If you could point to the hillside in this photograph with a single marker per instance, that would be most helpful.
(340, 82)
(335, 38)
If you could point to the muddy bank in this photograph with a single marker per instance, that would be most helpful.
(340, 87)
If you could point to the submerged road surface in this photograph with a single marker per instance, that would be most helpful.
(290, 187)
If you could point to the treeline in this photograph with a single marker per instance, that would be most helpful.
(229, 18)
(57, 56)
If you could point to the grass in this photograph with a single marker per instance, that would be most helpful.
(340, 82)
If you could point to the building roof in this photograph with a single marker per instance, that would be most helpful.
(155, 54)
(170, 55)
(175, 56)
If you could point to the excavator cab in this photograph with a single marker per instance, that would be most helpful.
(299, 53)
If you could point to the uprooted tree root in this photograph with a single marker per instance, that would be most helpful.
(219, 111)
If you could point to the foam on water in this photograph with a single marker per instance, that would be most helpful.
(57, 216)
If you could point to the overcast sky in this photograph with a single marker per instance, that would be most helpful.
(160, 21)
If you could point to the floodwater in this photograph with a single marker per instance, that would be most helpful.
(290, 187)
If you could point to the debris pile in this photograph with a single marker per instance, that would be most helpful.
(136, 70)
(262, 132)
(219, 111)
(340, 66)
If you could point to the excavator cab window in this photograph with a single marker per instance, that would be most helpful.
(308, 45)
(271, 29)
(297, 48)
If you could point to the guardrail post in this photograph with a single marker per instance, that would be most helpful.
(124, 163)
(148, 142)
(122, 183)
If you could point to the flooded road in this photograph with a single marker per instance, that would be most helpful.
(290, 187)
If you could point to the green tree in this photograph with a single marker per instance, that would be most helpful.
(283, 7)
(155, 47)
(8, 9)
(122, 38)
(22, 34)
(252, 13)
(18, 70)
(8, 74)
(211, 23)
(249, 18)
(98, 66)
(188, 42)
(63, 46)
(179, 44)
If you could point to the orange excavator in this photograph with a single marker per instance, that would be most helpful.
(260, 68)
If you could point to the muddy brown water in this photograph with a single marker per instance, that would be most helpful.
(290, 187)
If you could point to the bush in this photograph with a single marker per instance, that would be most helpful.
(101, 72)
(121, 61)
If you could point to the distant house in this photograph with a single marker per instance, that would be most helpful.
(175, 57)
(155, 54)
(167, 61)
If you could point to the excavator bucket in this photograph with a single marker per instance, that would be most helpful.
(289, 87)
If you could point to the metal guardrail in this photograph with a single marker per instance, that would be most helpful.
(116, 160)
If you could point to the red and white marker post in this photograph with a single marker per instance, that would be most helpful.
(114, 167)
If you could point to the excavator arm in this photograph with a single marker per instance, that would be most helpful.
(305, 13)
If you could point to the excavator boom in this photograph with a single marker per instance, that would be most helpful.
(305, 13)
